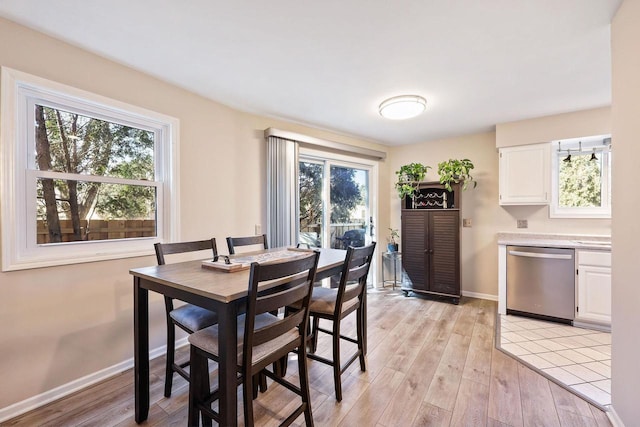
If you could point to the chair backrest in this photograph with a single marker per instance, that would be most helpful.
(234, 242)
(163, 249)
(294, 278)
(353, 278)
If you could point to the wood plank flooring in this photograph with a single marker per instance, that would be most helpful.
(429, 363)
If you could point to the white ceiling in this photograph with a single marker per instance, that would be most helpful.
(329, 64)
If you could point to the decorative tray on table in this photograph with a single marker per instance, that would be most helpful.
(243, 262)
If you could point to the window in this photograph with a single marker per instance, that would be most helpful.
(581, 178)
(85, 178)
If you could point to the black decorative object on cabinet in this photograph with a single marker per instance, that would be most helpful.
(431, 241)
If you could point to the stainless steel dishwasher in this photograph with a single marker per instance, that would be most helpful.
(541, 282)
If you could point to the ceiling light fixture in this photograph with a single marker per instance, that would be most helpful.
(402, 107)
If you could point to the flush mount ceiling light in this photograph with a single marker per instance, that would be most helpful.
(402, 107)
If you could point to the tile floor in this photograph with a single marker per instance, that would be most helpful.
(578, 358)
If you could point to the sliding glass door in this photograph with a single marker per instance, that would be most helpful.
(336, 206)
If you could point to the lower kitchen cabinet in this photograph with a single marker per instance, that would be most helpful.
(431, 251)
(594, 287)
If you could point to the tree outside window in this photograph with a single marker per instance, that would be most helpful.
(580, 182)
(70, 143)
(84, 178)
(581, 178)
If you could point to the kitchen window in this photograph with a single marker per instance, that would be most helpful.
(85, 178)
(581, 178)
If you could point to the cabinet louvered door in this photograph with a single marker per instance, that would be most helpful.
(444, 252)
(431, 242)
(414, 246)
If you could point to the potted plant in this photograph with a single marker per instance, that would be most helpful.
(392, 246)
(408, 178)
(458, 171)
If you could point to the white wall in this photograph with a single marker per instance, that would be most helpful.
(479, 244)
(63, 323)
(626, 206)
(66, 322)
(576, 124)
(549, 128)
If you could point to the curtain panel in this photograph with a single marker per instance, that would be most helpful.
(282, 200)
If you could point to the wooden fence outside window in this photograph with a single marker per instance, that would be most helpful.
(100, 229)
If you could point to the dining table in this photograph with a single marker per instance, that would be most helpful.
(220, 291)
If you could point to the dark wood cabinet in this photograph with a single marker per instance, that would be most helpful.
(431, 249)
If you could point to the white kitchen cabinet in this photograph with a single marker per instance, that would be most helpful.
(525, 174)
(594, 287)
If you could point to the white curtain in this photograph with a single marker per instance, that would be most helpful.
(282, 199)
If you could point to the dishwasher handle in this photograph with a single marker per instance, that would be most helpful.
(539, 255)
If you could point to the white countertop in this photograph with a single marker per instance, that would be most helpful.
(554, 240)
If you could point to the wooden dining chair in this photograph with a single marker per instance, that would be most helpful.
(336, 304)
(187, 317)
(234, 242)
(262, 339)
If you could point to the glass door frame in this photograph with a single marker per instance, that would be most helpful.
(340, 160)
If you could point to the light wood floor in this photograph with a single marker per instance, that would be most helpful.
(429, 364)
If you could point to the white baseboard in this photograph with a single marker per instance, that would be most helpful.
(614, 418)
(480, 296)
(592, 325)
(49, 396)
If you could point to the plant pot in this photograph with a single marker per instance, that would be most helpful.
(392, 247)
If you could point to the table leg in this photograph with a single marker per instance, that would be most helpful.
(228, 330)
(141, 349)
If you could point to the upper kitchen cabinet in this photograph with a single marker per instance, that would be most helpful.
(524, 175)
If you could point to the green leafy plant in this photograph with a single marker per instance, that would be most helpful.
(456, 171)
(408, 178)
(392, 246)
(393, 235)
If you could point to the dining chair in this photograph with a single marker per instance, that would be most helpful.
(187, 317)
(334, 304)
(262, 339)
(234, 242)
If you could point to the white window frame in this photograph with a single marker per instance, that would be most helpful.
(19, 93)
(555, 211)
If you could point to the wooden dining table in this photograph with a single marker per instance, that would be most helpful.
(219, 291)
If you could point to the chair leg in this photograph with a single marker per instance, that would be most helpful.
(314, 335)
(280, 366)
(171, 347)
(304, 384)
(199, 386)
(254, 387)
(361, 330)
(247, 396)
(259, 382)
(337, 380)
(364, 322)
(263, 382)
